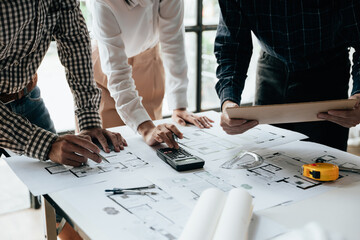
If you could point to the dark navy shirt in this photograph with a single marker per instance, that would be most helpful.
(301, 33)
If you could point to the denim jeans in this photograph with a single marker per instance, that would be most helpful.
(276, 85)
(33, 108)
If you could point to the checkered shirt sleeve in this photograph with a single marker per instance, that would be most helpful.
(74, 49)
(26, 31)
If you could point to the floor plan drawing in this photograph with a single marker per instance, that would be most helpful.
(123, 161)
(199, 181)
(205, 141)
(161, 212)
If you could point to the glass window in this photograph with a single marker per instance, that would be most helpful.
(190, 10)
(210, 12)
(209, 97)
(191, 56)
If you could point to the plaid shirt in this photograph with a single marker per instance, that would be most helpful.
(26, 30)
(302, 33)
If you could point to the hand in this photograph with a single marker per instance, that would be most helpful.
(154, 135)
(234, 126)
(73, 150)
(345, 118)
(181, 116)
(102, 135)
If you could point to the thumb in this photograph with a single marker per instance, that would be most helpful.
(180, 121)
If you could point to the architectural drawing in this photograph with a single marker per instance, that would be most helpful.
(197, 182)
(205, 141)
(122, 161)
(161, 212)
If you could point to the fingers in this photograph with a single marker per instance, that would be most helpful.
(175, 130)
(241, 129)
(103, 141)
(204, 121)
(181, 116)
(196, 122)
(73, 150)
(345, 122)
(179, 120)
(342, 114)
(164, 133)
(87, 137)
(236, 126)
(116, 140)
(70, 162)
(166, 136)
(103, 136)
(81, 141)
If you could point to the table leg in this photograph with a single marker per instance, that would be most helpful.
(50, 220)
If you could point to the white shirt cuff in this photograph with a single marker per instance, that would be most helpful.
(177, 100)
(137, 117)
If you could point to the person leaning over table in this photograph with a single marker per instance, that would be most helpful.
(304, 57)
(128, 34)
(26, 30)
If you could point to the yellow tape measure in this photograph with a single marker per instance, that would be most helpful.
(321, 171)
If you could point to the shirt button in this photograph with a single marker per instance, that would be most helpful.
(16, 63)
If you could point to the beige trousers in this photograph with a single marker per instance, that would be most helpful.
(148, 73)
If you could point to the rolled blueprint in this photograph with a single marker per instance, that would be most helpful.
(235, 217)
(218, 215)
(205, 216)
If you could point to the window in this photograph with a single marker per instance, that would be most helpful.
(204, 25)
(201, 18)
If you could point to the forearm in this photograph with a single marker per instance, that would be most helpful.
(20, 136)
(75, 54)
(233, 50)
(172, 40)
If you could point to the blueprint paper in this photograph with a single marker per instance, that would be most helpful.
(277, 181)
(158, 217)
(138, 217)
(46, 177)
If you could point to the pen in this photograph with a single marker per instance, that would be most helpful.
(102, 157)
(134, 192)
(129, 192)
(175, 137)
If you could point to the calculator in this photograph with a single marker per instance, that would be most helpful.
(180, 159)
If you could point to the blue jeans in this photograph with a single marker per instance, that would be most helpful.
(33, 108)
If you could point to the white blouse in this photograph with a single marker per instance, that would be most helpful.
(124, 31)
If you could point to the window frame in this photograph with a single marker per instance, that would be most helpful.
(199, 29)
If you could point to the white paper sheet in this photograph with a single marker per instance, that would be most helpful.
(277, 181)
(46, 177)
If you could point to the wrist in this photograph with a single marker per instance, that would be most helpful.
(145, 127)
(228, 104)
(179, 110)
